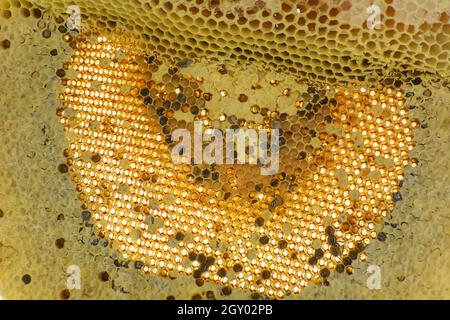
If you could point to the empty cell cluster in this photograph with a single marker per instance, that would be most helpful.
(339, 40)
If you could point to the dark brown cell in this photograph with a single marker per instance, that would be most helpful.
(144, 92)
(210, 295)
(265, 274)
(59, 20)
(60, 73)
(65, 294)
(243, 98)
(37, 13)
(222, 69)
(237, 267)
(197, 273)
(335, 251)
(197, 297)
(62, 29)
(416, 81)
(199, 282)
(201, 258)
(207, 96)
(282, 244)
(381, 236)
(264, 240)
(192, 256)
(318, 254)
(63, 168)
(332, 240)
(360, 247)
(325, 273)
(259, 222)
(255, 296)
(179, 236)
(222, 272)
(210, 261)
(302, 155)
(347, 261)
(96, 158)
(26, 279)
(104, 276)
(312, 261)
(46, 33)
(59, 243)
(6, 44)
(226, 290)
(340, 268)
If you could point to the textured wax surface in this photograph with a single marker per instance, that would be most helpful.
(43, 229)
(317, 38)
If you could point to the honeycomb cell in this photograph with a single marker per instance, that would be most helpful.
(305, 201)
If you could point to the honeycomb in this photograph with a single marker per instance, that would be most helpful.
(317, 39)
(87, 177)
